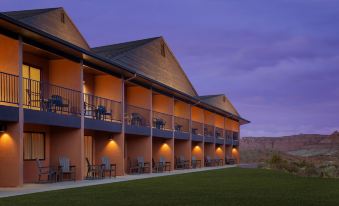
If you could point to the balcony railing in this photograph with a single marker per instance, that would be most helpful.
(102, 108)
(219, 133)
(209, 130)
(235, 138)
(9, 88)
(228, 136)
(47, 97)
(162, 121)
(137, 116)
(197, 128)
(181, 124)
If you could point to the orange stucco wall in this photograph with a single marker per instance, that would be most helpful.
(182, 109)
(30, 166)
(138, 146)
(111, 146)
(138, 96)
(197, 114)
(68, 143)
(219, 121)
(9, 55)
(198, 151)
(163, 148)
(209, 117)
(232, 125)
(162, 103)
(58, 69)
(209, 150)
(107, 86)
(11, 160)
(220, 152)
(236, 154)
(182, 147)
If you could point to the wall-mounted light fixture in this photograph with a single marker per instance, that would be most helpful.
(2, 127)
(110, 138)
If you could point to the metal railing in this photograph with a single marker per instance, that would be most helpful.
(51, 98)
(137, 116)
(181, 124)
(208, 130)
(9, 88)
(197, 128)
(162, 121)
(219, 133)
(102, 108)
(228, 135)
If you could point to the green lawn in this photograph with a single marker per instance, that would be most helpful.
(219, 187)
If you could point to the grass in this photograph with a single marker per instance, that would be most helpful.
(233, 186)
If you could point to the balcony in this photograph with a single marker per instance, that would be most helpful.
(137, 120)
(9, 97)
(219, 135)
(162, 125)
(209, 133)
(197, 131)
(102, 114)
(50, 104)
(181, 128)
(236, 138)
(228, 137)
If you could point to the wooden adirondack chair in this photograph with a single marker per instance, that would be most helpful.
(65, 168)
(108, 167)
(48, 171)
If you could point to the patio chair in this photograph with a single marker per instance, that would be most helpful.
(137, 119)
(101, 112)
(143, 166)
(178, 127)
(196, 163)
(65, 168)
(58, 102)
(48, 171)
(157, 166)
(218, 161)
(166, 164)
(93, 171)
(108, 167)
(181, 163)
(159, 123)
(209, 162)
(133, 168)
(230, 160)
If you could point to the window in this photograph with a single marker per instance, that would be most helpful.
(31, 86)
(34, 146)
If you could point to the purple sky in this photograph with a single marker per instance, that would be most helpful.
(277, 61)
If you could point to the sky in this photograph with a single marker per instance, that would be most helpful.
(277, 61)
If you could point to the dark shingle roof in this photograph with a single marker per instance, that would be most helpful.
(145, 57)
(220, 101)
(50, 21)
(27, 13)
(111, 51)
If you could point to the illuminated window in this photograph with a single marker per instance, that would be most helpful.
(31, 86)
(34, 146)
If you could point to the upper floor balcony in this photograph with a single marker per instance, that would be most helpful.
(162, 124)
(219, 135)
(209, 133)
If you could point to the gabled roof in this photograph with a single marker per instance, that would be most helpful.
(150, 57)
(50, 21)
(220, 101)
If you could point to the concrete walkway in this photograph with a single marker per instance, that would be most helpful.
(34, 188)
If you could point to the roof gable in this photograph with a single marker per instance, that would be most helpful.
(220, 101)
(54, 21)
(152, 58)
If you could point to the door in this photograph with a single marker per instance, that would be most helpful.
(31, 87)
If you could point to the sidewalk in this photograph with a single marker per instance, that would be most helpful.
(34, 188)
